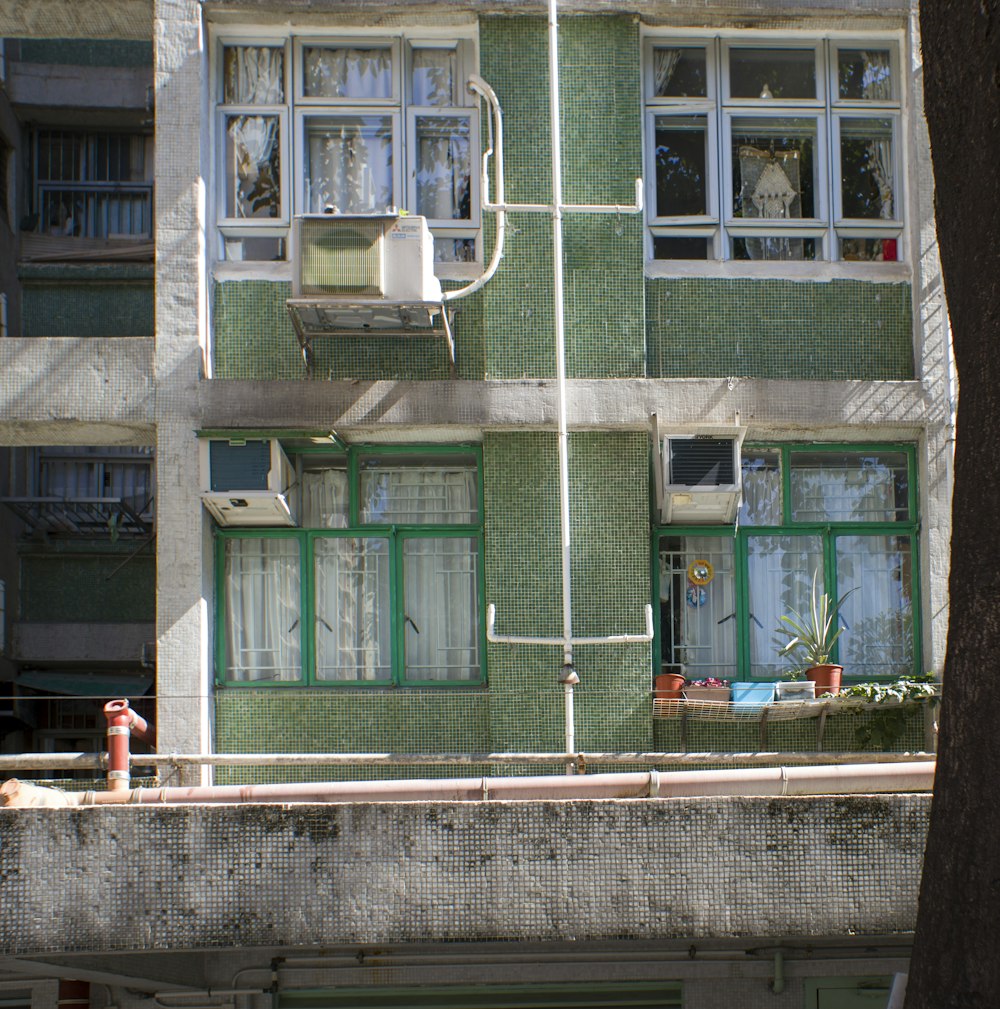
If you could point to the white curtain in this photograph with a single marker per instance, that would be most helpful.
(761, 504)
(350, 167)
(664, 64)
(253, 164)
(877, 615)
(262, 609)
(324, 499)
(443, 168)
(434, 77)
(416, 495)
(780, 572)
(254, 75)
(441, 609)
(353, 629)
(853, 492)
(347, 73)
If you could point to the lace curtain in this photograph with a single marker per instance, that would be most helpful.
(254, 75)
(347, 73)
(350, 167)
(664, 64)
(262, 609)
(443, 168)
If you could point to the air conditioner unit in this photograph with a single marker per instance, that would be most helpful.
(701, 478)
(383, 256)
(245, 483)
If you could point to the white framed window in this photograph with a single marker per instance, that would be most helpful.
(357, 123)
(772, 150)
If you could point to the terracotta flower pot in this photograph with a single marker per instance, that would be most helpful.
(826, 678)
(668, 685)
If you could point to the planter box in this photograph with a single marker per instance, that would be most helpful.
(707, 693)
(796, 690)
(753, 696)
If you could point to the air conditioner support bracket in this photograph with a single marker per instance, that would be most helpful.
(323, 318)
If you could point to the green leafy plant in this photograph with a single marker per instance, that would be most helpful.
(881, 729)
(813, 634)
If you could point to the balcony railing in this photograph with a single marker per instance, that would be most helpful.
(89, 210)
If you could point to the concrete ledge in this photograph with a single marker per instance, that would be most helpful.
(897, 409)
(74, 390)
(81, 642)
(133, 878)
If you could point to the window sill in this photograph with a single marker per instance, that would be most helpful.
(876, 273)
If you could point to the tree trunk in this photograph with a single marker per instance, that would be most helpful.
(956, 956)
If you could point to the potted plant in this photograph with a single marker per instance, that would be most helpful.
(707, 689)
(813, 636)
(668, 686)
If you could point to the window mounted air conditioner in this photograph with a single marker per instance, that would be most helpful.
(374, 256)
(701, 479)
(246, 483)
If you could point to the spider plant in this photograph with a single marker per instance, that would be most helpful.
(813, 634)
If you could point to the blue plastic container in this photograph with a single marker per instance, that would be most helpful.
(753, 696)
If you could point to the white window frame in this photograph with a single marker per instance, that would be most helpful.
(297, 110)
(828, 227)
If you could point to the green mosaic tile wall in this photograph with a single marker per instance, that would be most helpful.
(507, 330)
(93, 300)
(610, 565)
(843, 329)
(523, 706)
(85, 52)
(109, 585)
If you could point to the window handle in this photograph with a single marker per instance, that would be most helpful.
(407, 619)
(325, 624)
(732, 616)
(295, 623)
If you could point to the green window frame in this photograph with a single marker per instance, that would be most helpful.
(392, 550)
(831, 546)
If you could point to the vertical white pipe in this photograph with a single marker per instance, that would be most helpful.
(560, 334)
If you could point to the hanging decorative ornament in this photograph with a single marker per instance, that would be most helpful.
(696, 596)
(700, 572)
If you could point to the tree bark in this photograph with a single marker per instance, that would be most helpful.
(956, 955)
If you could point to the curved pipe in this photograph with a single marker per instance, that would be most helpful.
(912, 776)
(122, 722)
(495, 146)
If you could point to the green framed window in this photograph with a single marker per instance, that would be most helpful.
(381, 584)
(846, 514)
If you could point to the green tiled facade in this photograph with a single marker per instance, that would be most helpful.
(88, 582)
(843, 329)
(95, 300)
(84, 52)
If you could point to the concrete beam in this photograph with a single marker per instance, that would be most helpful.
(388, 408)
(46, 85)
(61, 19)
(189, 877)
(76, 391)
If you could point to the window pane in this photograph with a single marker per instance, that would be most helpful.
(866, 167)
(441, 609)
(346, 72)
(761, 505)
(409, 494)
(780, 571)
(849, 487)
(242, 250)
(444, 167)
(253, 75)
(665, 247)
(772, 73)
(323, 497)
(679, 73)
(349, 164)
(681, 165)
(878, 614)
(697, 621)
(434, 78)
(774, 249)
(865, 74)
(869, 250)
(773, 168)
(262, 610)
(454, 250)
(353, 624)
(253, 167)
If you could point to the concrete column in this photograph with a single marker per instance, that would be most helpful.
(182, 610)
(935, 370)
